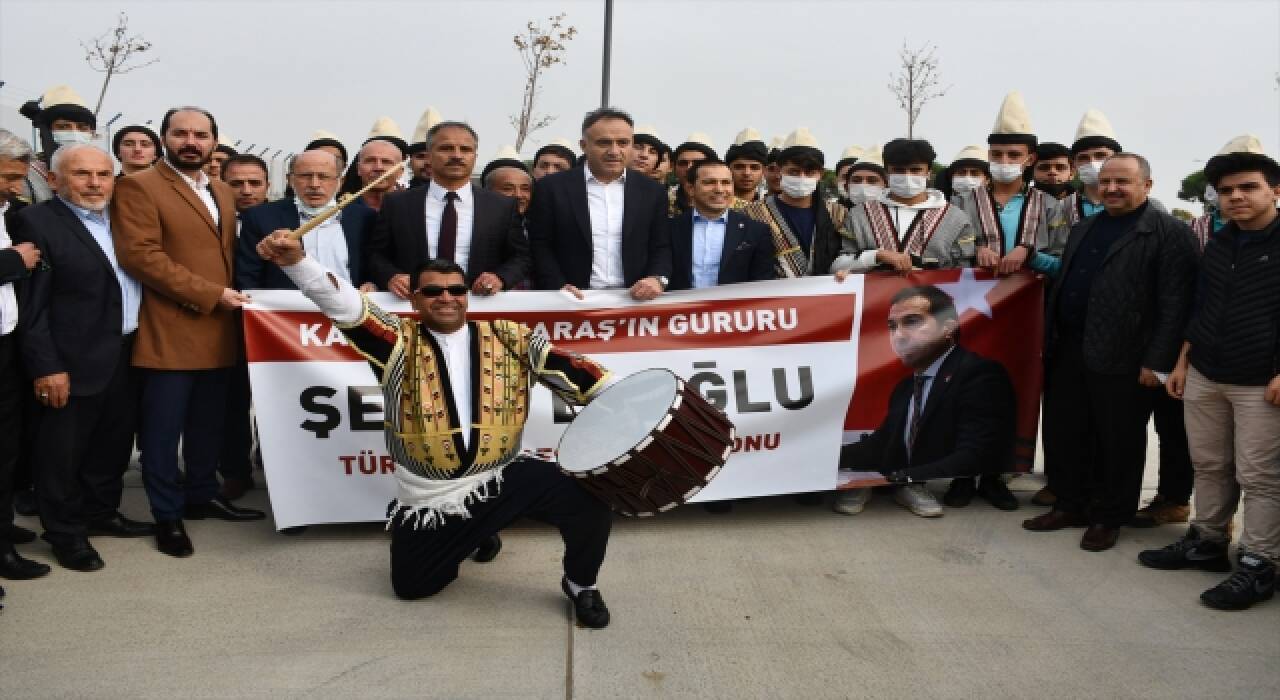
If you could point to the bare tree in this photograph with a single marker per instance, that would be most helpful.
(917, 83)
(110, 54)
(539, 50)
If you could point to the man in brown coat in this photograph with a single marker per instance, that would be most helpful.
(175, 232)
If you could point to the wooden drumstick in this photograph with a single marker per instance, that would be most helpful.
(342, 202)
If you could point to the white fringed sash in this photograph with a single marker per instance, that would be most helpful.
(425, 503)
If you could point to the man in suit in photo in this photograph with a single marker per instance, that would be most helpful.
(449, 218)
(80, 317)
(175, 232)
(955, 416)
(601, 225)
(711, 244)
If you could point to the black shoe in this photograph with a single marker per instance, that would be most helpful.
(292, 531)
(1254, 582)
(1190, 552)
(809, 499)
(488, 550)
(221, 509)
(171, 538)
(960, 493)
(718, 507)
(16, 534)
(78, 556)
(588, 606)
(993, 490)
(24, 502)
(15, 567)
(119, 526)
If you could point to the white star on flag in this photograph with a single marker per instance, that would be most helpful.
(970, 292)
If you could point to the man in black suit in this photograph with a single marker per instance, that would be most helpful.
(710, 243)
(80, 314)
(601, 225)
(449, 218)
(954, 417)
(1114, 323)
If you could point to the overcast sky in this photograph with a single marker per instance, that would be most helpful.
(1176, 79)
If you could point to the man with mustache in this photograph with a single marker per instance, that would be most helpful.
(174, 231)
(449, 218)
(601, 225)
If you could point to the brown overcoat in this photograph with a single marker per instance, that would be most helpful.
(167, 240)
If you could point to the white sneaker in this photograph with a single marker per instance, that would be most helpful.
(917, 499)
(851, 501)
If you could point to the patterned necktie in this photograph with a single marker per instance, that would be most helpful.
(917, 407)
(448, 228)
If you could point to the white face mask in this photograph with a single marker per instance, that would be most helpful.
(907, 186)
(1088, 172)
(966, 183)
(1210, 196)
(63, 138)
(1006, 172)
(798, 185)
(859, 192)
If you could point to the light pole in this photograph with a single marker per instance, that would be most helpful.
(608, 53)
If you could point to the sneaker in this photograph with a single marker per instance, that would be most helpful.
(1190, 552)
(851, 501)
(1161, 511)
(917, 499)
(960, 493)
(1253, 582)
(1044, 497)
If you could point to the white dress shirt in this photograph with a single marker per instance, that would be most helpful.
(8, 299)
(327, 243)
(465, 206)
(708, 246)
(98, 223)
(930, 373)
(605, 203)
(200, 185)
(456, 348)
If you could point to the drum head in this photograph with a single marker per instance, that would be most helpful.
(617, 420)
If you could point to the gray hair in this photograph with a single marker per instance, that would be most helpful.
(431, 133)
(13, 147)
(337, 162)
(1144, 166)
(64, 151)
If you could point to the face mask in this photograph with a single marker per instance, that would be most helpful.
(860, 192)
(63, 138)
(798, 185)
(1210, 196)
(1088, 172)
(965, 183)
(1006, 172)
(906, 186)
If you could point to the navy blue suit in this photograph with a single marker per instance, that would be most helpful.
(747, 254)
(256, 223)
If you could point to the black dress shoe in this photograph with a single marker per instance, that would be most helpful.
(15, 567)
(119, 526)
(588, 606)
(16, 534)
(293, 531)
(960, 492)
(171, 538)
(718, 507)
(24, 502)
(993, 490)
(221, 509)
(488, 550)
(78, 556)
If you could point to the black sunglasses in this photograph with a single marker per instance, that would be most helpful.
(435, 290)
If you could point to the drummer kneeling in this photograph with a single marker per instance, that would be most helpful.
(459, 482)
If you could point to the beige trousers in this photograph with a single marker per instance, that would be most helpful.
(1234, 435)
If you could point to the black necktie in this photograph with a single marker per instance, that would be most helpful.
(448, 228)
(917, 407)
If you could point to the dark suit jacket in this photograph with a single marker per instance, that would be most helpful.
(559, 224)
(747, 254)
(1139, 300)
(252, 272)
(967, 426)
(397, 243)
(72, 310)
(12, 269)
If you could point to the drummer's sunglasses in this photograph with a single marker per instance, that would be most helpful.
(435, 290)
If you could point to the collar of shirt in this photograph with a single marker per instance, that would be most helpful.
(931, 371)
(591, 177)
(723, 218)
(200, 181)
(437, 193)
(100, 217)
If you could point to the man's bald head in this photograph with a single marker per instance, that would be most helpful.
(314, 175)
(84, 175)
(513, 182)
(375, 159)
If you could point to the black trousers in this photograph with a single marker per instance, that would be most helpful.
(425, 561)
(14, 389)
(83, 450)
(237, 438)
(1095, 426)
(1177, 476)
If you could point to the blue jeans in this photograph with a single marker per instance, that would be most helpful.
(187, 405)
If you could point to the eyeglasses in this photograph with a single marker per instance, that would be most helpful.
(435, 290)
(322, 177)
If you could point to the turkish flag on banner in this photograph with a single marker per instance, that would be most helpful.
(1001, 318)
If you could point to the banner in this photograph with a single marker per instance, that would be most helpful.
(799, 366)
